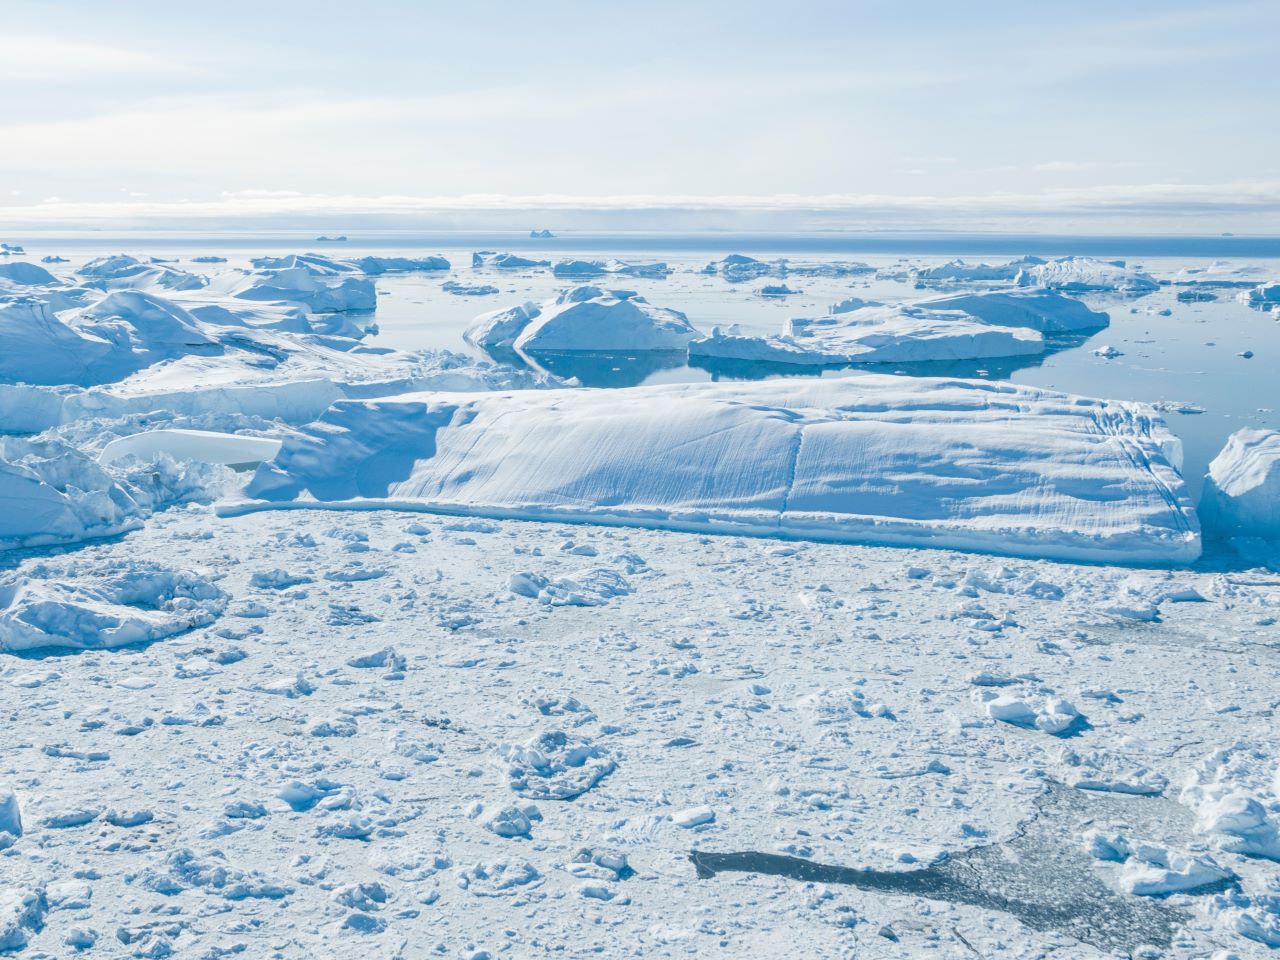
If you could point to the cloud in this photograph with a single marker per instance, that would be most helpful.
(46, 58)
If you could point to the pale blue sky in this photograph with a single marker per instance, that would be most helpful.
(1111, 116)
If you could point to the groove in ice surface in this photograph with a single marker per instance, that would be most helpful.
(1042, 876)
(889, 460)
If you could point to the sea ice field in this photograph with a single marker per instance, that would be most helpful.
(523, 596)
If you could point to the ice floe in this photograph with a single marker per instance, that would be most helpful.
(104, 607)
(891, 460)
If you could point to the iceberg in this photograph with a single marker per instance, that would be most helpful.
(122, 271)
(469, 289)
(586, 269)
(1046, 312)
(1220, 273)
(738, 268)
(375, 266)
(959, 271)
(1242, 489)
(26, 274)
(504, 261)
(585, 318)
(300, 285)
(1087, 275)
(1263, 294)
(971, 465)
(876, 333)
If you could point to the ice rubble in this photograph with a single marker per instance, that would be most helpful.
(102, 607)
(1153, 870)
(52, 493)
(904, 461)
(1086, 274)
(1242, 489)
(584, 318)
(1235, 794)
(878, 333)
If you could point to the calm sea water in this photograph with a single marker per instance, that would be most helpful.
(1189, 359)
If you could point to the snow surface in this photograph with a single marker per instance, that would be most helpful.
(878, 459)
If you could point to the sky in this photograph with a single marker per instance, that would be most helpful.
(1082, 117)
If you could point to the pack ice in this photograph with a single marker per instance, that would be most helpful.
(902, 461)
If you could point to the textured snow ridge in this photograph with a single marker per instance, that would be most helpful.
(1242, 489)
(901, 461)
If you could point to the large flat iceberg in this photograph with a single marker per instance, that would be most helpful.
(903, 461)
(954, 328)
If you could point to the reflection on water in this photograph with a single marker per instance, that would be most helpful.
(591, 369)
(633, 368)
(989, 368)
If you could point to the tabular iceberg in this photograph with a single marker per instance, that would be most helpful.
(900, 461)
(968, 327)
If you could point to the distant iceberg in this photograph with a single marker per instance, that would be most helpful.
(891, 460)
(504, 261)
(587, 269)
(1221, 273)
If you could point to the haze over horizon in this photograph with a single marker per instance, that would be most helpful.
(724, 117)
